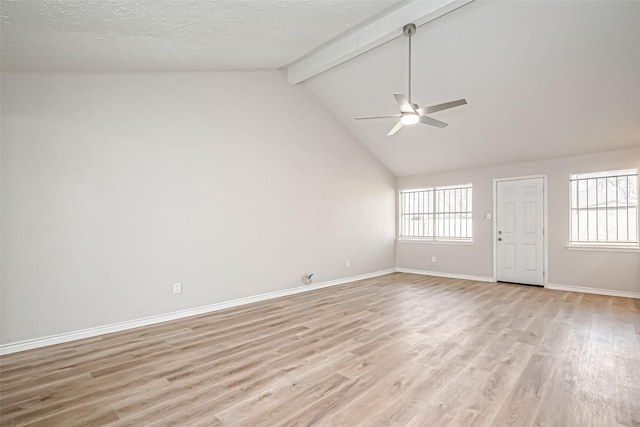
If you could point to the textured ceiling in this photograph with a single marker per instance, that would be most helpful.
(543, 80)
(172, 35)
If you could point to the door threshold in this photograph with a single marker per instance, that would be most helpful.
(523, 284)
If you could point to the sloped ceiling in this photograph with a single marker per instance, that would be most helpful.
(543, 78)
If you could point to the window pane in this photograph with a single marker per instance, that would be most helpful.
(622, 225)
(612, 225)
(633, 224)
(602, 192)
(604, 206)
(582, 221)
(591, 193)
(405, 225)
(602, 225)
(441, 212)
(582, 194)
(612, 192)
(592, 228)
(633, 190)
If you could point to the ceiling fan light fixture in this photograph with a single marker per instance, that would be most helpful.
(409, 119)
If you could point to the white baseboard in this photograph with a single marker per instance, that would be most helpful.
(449, 275)
(599, 291)
(151, 320)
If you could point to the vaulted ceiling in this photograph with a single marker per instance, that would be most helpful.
(543, 79)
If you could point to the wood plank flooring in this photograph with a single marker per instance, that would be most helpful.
(397, 350)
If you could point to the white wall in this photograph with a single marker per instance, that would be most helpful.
(233, 183)
(594, 269)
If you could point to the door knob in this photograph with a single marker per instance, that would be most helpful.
(499, 239)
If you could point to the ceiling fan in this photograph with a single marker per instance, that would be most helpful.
(410, 113)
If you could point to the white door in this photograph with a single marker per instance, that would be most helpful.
(520, 231)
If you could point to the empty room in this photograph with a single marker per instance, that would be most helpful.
(319, 212)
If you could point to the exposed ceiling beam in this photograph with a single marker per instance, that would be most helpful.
(369, 36)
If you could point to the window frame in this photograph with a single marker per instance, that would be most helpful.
(615, 246)
(434, 239)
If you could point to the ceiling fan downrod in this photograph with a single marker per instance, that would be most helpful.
(409, 30)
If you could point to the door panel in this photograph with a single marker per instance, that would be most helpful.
(530, 259)
(520, 231)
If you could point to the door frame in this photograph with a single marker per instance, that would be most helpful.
(545, 233)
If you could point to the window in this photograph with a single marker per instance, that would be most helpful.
(440, 213)
(604, 208)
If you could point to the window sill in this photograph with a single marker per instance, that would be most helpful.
(604, 248)
(439, 242)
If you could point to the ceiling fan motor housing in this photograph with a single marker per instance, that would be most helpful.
(409, 29)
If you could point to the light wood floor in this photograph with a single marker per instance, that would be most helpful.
(395, 350)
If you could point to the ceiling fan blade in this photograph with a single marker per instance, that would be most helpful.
(440, 107)
(395, 129)
(378, 117)
(404, 105)
(433, 122)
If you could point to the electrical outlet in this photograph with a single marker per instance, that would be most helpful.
(347, 263)
(177, 288)
(433, 259)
